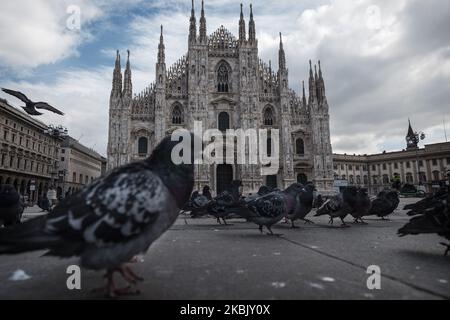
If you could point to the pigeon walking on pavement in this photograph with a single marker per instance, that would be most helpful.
(303, 206)
(339, 206)
(113, 219)
(362, 205)
(269, 209)
(384, 204)
(225, 203)
(30, 106)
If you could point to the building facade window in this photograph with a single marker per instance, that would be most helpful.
(143, 146)
(177, 115)
(300, 147)
(269, 117)
(224, 121)
(223, 78)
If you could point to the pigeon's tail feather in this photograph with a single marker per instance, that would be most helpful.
(26, 237)
(419, 225)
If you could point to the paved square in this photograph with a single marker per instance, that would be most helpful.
(198, 259)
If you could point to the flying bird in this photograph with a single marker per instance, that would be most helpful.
(303, 206)
(30, 106)
(340, 205)
(435, 219)
(11, 206)
(384, 204)
(269, 209)
(113, 219)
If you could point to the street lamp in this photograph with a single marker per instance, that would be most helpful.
(417, 137)
(57, 132)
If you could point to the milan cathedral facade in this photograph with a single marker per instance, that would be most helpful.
(222, 82)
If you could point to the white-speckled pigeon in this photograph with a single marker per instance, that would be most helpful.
(339, 206)
(113, 219)
(271, 208)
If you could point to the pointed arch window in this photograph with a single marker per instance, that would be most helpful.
(223, 76)
(269, 118)
(177, 115)
(143, 146)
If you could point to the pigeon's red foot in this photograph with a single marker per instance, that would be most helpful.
(448, 248)
(111, 289)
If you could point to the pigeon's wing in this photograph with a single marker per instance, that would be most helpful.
(111, 210)
(17, 94)
(46, 106)
(380, 207)
(269, 206)
(32, 111)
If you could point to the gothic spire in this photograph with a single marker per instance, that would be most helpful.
(192, 25)
(281, 55)
(252, 28)
(242, 34)
(161, 49)
(203, 25)
(304, 94)
(321, 85)
(117, 77)
(312, 85)
(128, 87)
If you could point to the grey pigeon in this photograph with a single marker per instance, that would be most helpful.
(435, 219)
(362, 205)
(11, 206)
(30, 106)
(304, 205)
(340, 205)
(113, 219)
(271, 208)
(384, 204)
(430, 201)
(226, 203)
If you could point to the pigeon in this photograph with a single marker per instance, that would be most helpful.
(384, 204)
(263, 190)
(430, 201)
(11, 206)
(303, 206)
(271, 208)
(30, 106)
(113, 219)
(339, 206)
(225, 203)
(362, 205)
(435, 219)
(196, 205)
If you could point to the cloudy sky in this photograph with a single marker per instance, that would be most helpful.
(384, 61)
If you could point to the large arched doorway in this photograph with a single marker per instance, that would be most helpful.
(224, 177)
